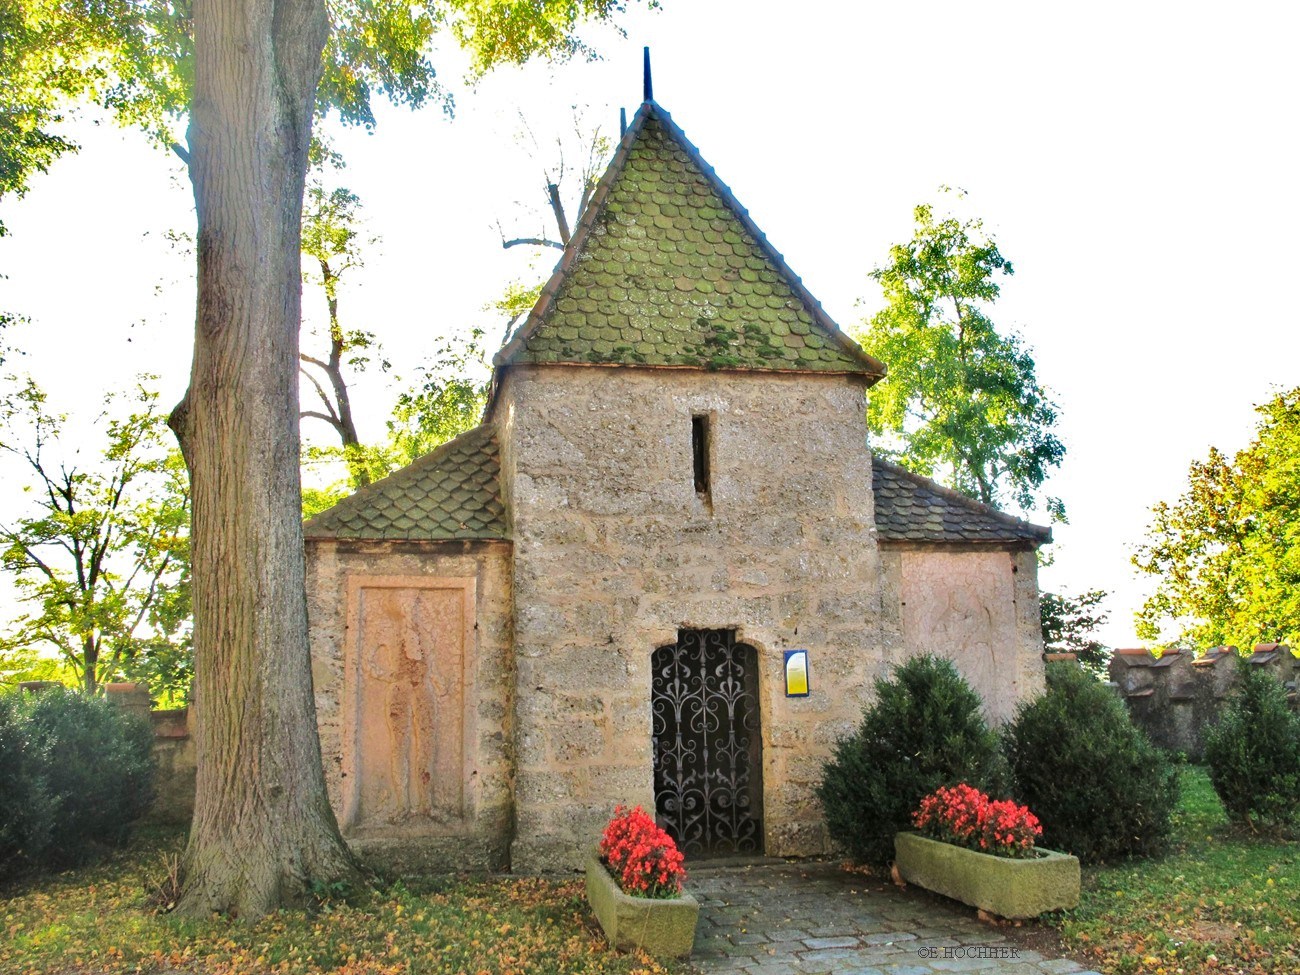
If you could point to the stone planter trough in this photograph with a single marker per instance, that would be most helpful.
(1000, 885)
(662, 928)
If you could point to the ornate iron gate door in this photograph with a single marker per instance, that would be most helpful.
(707, 743)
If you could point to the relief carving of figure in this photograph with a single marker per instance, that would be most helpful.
(965, 621)
(420, 696)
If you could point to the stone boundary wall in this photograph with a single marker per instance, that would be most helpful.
(1175, 697)
(173, 750)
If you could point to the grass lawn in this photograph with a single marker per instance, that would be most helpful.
(1220, 902)
(97, 920)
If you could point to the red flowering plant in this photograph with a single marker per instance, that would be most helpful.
(642, 857)
(964, 816)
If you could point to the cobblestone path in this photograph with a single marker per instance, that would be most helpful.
(810, 918)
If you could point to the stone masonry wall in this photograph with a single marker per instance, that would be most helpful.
(1175, 697)
(420, 780)
(173, 752)
(975, 606)
(614, 552)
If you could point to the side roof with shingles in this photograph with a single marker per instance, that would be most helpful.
(454, 492)
(666, 268)
(912, 508)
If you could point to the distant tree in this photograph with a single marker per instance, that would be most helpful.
(102, 556)
(332, 245)
(514, 304)
(448, 401)
(561, 176)
(1069, 623)
(246, 82)
(961, 401)
(1226, 553)
(449, 396)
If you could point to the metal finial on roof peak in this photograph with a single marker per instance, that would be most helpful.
(649, 91)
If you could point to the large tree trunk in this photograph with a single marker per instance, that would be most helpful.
(263, 830)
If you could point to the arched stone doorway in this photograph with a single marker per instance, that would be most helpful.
(707, 743)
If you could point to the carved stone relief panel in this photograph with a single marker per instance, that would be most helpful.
(961, 605)
(407, 754)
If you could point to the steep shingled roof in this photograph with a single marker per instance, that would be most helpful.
(912, 508)
(452, 493)
(667, 269)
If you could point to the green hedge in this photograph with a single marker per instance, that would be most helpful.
(1254, 754)
(1101, 790)
(925, 730)
(77, 773)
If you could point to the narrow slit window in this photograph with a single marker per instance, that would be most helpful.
(700, 452)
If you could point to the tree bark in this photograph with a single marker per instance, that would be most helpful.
(263, 831)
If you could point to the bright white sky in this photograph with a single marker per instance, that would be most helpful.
(1135, 161)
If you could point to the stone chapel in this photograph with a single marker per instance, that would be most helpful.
(600, 594)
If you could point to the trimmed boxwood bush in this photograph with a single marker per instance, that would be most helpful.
(80, 772)
(1100, 788)
(924, 731)
(1254, 754)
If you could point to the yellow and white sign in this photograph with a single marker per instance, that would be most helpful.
(796, 673)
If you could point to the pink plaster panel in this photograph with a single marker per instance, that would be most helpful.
(408, 723)
(961, 605)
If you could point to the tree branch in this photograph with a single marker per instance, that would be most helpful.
(561, 223)
(314, 361)
(332, 419)
(313, 414)
(534, 241)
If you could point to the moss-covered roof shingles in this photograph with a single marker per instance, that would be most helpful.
(668, 270)
(452, 493)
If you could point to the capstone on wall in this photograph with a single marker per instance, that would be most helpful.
(414, 683)
(977, 606)
(615, 551)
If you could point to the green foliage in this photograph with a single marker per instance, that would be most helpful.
(27, 663)
(137, 60)
(26, 808)
(101, 557)
(1100, 788)
(34, 81)
(78, 773)
(924, 731)
(961, 400)
(1226, 554)
(448, 401)
(516, 301)
(1068, 623)
(331, 231)
(98, 769)
(1254, 754)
